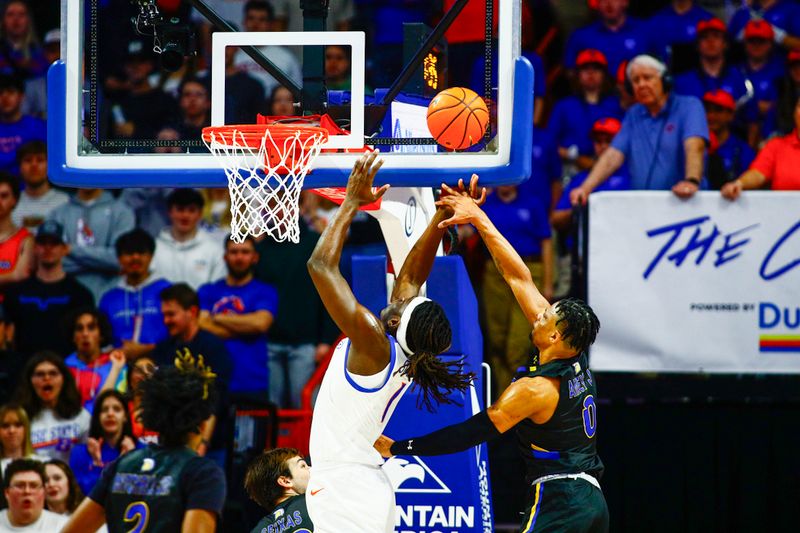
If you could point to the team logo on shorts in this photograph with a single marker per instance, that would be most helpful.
(148, 464)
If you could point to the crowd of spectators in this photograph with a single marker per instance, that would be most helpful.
(98, 288)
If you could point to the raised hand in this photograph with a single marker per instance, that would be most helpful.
(474, 192)
(465, 209)
(359, 185)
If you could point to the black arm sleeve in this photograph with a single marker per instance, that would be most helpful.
(452, 439)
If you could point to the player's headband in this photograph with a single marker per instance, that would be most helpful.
(405, 318)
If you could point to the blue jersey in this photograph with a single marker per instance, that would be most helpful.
(697, 83)
(736, 156)
(669, 28)
(573, 117)
(766, 79)
(15, 134)
(249, 352)
(135, 312)
(523, 221)
(630, 40)
(785, 14)
(545, 168)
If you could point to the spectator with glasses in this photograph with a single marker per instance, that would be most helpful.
(24, 491)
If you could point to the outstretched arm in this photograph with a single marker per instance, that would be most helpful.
(508, 262)
(365, 331)
(534, 398)
(418, 263)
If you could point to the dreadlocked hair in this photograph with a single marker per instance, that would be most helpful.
(429, 334)
(580, 323)
(175, 402)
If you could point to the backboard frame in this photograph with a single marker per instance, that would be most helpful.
(70, 164)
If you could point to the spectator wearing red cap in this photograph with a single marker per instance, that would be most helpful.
(662, 139)
(713, 72)
(572, 117)
(674, 28)
(764, 68)
(603, 132)
(732, 155)
(616, 34)
(782, 15)
(776, 165)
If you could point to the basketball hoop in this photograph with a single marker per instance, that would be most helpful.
(266, 164)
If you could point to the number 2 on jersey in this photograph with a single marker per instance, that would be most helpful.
(589, 416)
(140, 513)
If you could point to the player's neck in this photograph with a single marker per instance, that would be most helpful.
(190, 333)
(239, 281)
(36, 190)
(50, 273)
(555, 352)
(713, 65)
(722, 135)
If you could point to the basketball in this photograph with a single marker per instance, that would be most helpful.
(457, 118)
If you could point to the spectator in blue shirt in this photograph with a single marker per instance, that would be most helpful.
(663, 138)
(673, 29)
(110, 435)
(603, 132)
(240, 309)
(545, 181)
(731, 155)
(572, 118)
(783, 15)
(616, 34)
(134, 307)
(522, 220)
(764, 68)
(16, 129)
(713, 72)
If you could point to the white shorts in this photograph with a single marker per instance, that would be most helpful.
(350, 498)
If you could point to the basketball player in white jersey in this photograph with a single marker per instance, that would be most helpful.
(370, 371)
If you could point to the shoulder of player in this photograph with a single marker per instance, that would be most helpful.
(538, 388)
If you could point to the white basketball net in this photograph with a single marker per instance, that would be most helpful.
(263, 200)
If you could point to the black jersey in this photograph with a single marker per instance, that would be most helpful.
(149, 490)
(290, 516)
(566, 443)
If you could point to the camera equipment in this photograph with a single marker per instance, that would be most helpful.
(172, 39)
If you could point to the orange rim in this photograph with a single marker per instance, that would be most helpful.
(253, 134)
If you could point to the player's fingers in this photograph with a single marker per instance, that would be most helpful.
(446, 188)
(482, 199)
(375, 168)
(473, 185)
(382, 191)
(461, 185)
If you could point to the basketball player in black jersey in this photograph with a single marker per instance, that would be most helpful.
(164, 488)
(277, 481)
(551, 403)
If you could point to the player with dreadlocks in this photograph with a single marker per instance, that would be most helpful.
(371, 370)
(166, 487)
(551, 402)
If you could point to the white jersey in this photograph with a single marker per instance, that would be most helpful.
(351, 411)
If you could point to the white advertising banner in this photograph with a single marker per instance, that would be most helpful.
(704, 285)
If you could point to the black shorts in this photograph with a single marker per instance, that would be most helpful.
(565, 506)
